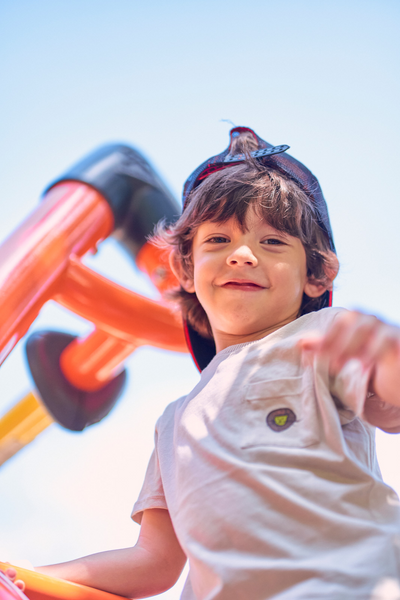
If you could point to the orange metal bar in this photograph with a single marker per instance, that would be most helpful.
(43, 587)
(126, 315)
(90, 362)
(154, 262)
(127, 320)
(71, 219)
(40, 261)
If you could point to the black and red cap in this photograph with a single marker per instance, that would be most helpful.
(202, 349)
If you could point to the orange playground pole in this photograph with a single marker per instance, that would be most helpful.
(71, 220)
(124, 321)
(40, 261)
(79, 380)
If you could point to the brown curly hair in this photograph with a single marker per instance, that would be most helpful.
(229, 193)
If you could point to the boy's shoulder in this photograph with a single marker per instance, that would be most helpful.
(167, 419)
(321, 319)
(315, 322)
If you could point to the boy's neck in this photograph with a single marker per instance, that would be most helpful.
(224, 339)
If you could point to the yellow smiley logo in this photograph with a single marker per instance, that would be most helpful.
(281, 419)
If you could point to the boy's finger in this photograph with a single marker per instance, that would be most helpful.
(335, 348)
(336, 339)
(356, 342)
(385, 340)
(370, 342)
(354, 335)
(349, 336)
(11, 573)
(336, 336)
(20, 584)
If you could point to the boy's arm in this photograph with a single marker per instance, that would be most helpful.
(377, 346)
(152, 566)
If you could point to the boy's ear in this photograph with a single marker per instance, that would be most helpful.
(314, 288)
(177, 269)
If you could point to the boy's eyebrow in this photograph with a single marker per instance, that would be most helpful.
(281, 233)
(275, 231)
(212, 228)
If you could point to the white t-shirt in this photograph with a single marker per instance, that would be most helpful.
(271, 478)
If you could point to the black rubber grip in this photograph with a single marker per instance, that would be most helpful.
(135, 192)
(73, 408)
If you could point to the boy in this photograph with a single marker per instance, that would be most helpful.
(264, 477)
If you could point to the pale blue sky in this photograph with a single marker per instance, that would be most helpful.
(321, 76)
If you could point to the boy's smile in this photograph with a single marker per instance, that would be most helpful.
(250, 282)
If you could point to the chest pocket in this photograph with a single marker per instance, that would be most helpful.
(280, 412)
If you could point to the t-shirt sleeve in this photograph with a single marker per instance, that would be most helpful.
(152, 492)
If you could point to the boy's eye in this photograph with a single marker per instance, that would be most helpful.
(273, 242)
(218, 239)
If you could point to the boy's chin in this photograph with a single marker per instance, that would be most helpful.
(252, 329)
(241, 330)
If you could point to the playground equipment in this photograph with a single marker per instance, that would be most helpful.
(42, 587)
(114, 190)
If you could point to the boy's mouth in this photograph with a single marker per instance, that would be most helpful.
(243, 284)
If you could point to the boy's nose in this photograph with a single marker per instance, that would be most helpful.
(242, 256)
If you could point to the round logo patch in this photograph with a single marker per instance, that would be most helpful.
(281, 419)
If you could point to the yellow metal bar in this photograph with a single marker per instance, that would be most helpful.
(21, 424)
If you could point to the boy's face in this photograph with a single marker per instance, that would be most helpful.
(249, 283)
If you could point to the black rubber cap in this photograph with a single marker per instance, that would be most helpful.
(73, 408)
(135, 192)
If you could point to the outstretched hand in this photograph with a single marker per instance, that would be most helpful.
(11, 573)
(364, 337)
